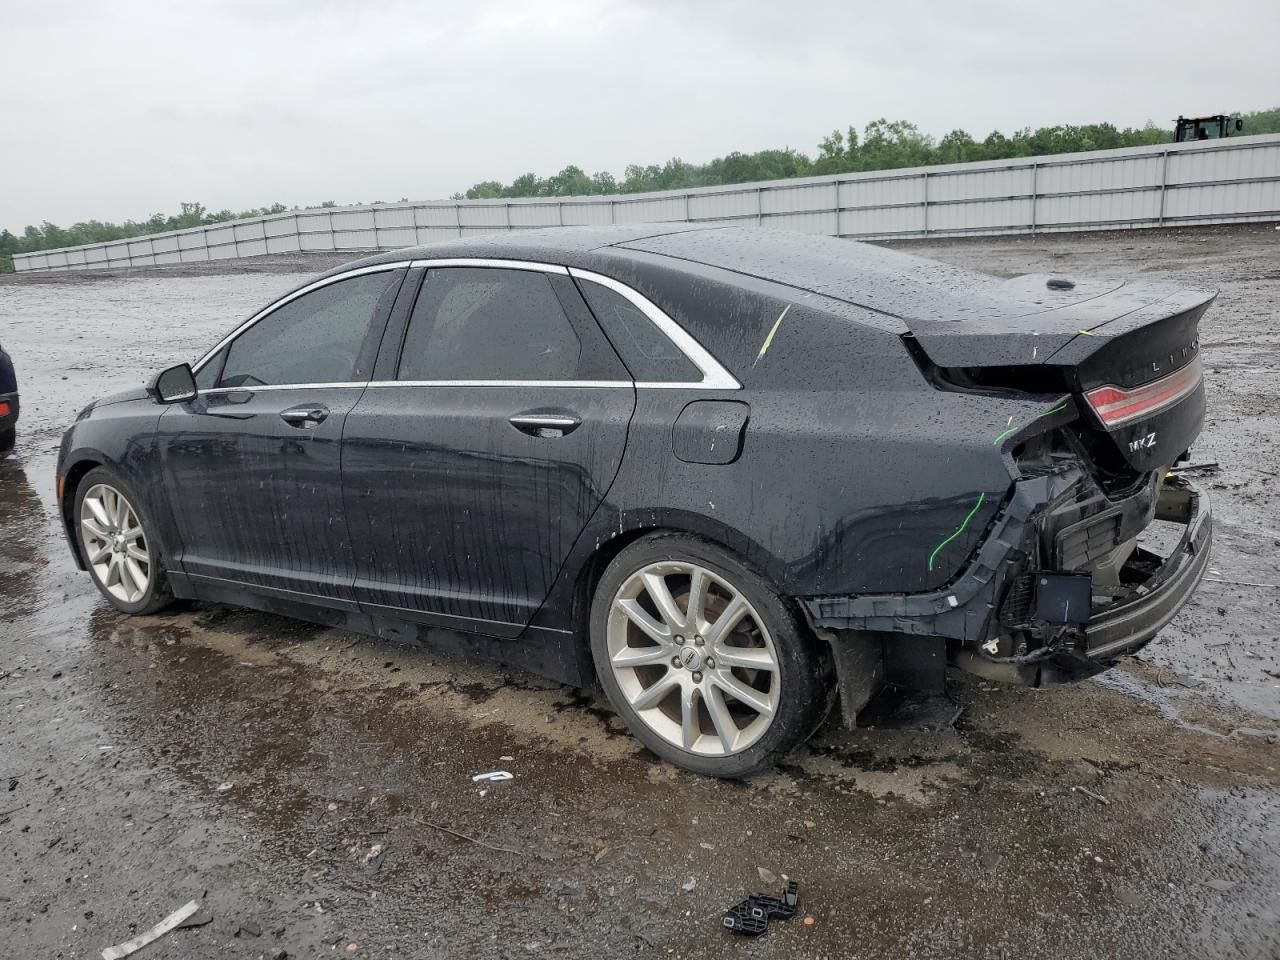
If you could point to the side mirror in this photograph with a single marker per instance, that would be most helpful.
(173, 385)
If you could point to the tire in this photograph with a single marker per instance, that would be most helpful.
(718, 697)
(8, 438)
(105, 527)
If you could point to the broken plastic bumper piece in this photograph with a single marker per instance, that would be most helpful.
(1003, 610)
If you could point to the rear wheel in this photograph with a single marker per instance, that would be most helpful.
(116, 544)
(7, 439)
(707, 664)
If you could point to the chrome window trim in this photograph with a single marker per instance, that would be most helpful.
(594, 384)
(255, 388)
(490, 262)
(714, 376)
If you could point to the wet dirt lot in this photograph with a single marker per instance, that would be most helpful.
(314, 787)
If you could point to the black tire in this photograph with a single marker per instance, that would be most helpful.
(8, 438)
(806, 675)
(157, 594)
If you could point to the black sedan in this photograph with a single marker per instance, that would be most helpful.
(8, 403)
(736, 474)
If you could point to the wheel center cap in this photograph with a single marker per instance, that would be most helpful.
(689, 657)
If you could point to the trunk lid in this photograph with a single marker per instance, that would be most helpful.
(1128, 351)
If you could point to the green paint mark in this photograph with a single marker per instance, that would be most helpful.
(959, 529)
(1013, 430)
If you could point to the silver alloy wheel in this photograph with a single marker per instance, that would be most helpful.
(114, 543)
(693, 658)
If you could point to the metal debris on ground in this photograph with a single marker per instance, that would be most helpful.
(1092, 796)
(155, 933)
(1210, 467)
(751, 917)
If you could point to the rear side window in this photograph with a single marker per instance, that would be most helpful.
(480, 323)
(648, 353)
(313, 339)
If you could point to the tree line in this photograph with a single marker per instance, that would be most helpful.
(882, 145)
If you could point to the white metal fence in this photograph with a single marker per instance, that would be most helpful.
(1213, 181)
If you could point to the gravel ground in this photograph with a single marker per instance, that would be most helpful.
(314, 787)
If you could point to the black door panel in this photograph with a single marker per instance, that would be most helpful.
(258, 499)
(456, 514)
(469, 478)
(254, 464)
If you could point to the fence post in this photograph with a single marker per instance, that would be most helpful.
(457, 217)
(759, 206)
(1035, 193)
(925, 177)
(1164, 182)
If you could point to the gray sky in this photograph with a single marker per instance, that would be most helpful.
(118, 110)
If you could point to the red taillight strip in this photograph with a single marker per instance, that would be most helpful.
(1117, 405)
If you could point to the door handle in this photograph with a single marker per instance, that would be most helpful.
(547, 425)
(305, 415)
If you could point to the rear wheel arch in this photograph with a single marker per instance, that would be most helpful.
(742, 548)
(746, 550)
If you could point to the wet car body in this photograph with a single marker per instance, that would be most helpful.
(906, 450)
(8, 402)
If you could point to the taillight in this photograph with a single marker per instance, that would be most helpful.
(4, 408)
(1118, 405)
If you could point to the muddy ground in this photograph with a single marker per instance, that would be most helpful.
(305, 782)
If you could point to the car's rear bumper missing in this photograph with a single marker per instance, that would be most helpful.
(972, 615)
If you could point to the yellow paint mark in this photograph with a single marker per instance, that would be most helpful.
(769, 339)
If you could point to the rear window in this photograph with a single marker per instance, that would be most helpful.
(648, 352)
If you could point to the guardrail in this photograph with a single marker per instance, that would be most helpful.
(1215, 181)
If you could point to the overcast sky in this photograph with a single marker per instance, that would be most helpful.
(119, 110)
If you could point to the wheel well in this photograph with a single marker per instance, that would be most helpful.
(70, 484)
(604, 555)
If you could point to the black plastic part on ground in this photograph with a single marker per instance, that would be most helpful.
(751, 917)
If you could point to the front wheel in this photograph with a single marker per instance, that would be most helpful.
(117, 545)
(708, 665)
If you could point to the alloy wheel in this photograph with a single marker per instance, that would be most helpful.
(693, 658)
(114, 543)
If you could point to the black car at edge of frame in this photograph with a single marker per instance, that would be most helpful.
(8, 403)
(736, 474)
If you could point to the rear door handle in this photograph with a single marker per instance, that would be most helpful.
(545, 424)
(305, 415)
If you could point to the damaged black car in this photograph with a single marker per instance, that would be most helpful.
(736, 475)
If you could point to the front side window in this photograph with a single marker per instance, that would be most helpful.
(313, 339)
(483, 323)
(648, 352)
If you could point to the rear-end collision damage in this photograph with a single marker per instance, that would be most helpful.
(1061, 582)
